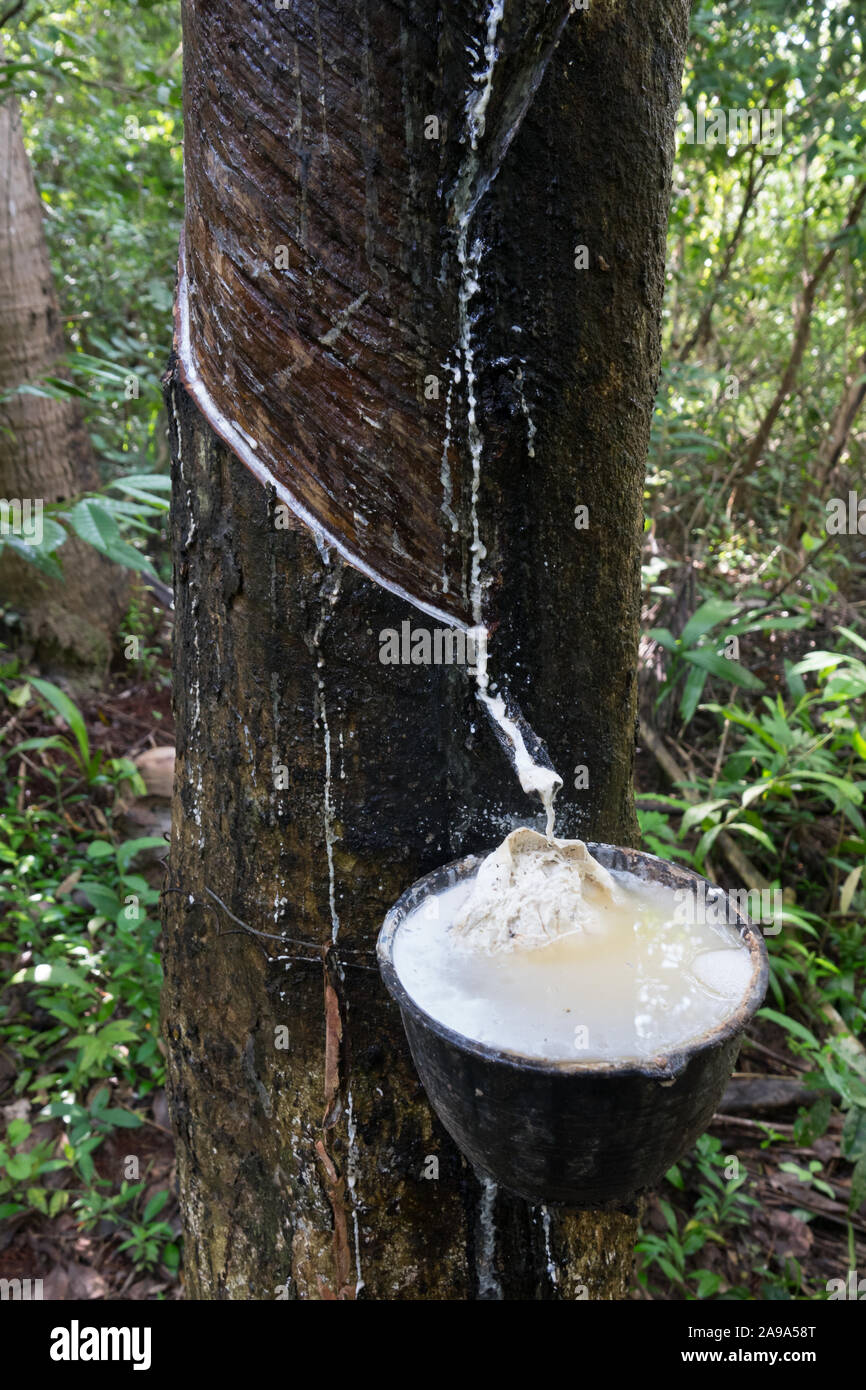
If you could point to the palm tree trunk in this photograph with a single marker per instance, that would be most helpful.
(45, 452)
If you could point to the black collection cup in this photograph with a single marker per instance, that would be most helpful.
(583, 1133)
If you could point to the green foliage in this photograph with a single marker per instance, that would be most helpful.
(659, 834)
(150, 1241)
(102, 521)
(100, 93)
(79, 1014)
(797, 761)
(839, 1076)
(96, 770)
(791, 765)
(722, 1204)
(747, 222)
(696, 659)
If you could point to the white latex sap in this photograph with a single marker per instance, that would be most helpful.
(623, 978)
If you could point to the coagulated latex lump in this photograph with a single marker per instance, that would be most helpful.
(532, 891)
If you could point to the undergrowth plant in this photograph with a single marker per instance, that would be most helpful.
(79, 1011)
(791, 788)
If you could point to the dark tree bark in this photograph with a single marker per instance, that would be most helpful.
(305, 1168)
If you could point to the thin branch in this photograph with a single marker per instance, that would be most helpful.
(803, 328)
(702, 327)
(11, 13)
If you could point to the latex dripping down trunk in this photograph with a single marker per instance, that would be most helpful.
(378, 311)
(285, 340)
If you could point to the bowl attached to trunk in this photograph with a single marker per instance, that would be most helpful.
(582, 1133)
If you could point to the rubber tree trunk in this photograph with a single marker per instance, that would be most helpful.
(45, 452)
(314, 782)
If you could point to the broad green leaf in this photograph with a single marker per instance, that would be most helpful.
(852, 636)
(122, 553)
(94, 524)
(154, 1206)
(794, 680)
(675, 1178)
(145, 506)
(55, 972)
(147, 482)
(745, 828)
(130, 848)
(797, 919)
(102, 898)
(818, 661)
(59, 1200)
(695, 814)
(121, 1119)
(849, 790)
(693, 689)
(664, 637)
(17, 1131)
(708, 1283)
(724, 667)
(92, 520)
(100, 849)
(752, 793)
(766, 625)
(791, 1025)
(708, 839)
(53, 742)
(53, 536)
(69, 713)
(43, 560)
(708, 616)
(849, 888)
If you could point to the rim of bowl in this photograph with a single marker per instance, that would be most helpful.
(664, 1066)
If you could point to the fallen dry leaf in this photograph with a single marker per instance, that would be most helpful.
(156, 766)
(66, 1282)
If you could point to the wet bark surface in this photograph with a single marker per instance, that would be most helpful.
(285, 1141)
(315, 782)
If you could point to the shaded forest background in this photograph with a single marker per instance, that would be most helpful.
(752, 763)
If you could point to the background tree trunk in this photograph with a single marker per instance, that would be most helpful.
(315, 783)
(44, 448)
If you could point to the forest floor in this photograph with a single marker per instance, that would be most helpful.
(74, 1259)
(755, 1125)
